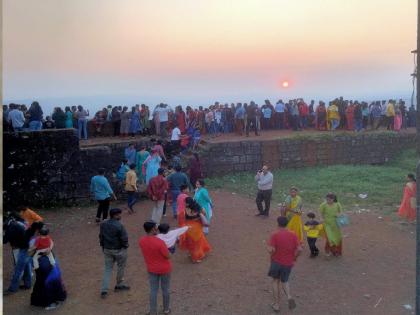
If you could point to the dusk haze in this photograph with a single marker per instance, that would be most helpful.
(196, 52)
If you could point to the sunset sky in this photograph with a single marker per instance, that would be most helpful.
(196, 52)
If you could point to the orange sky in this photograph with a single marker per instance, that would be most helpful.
(201, 51)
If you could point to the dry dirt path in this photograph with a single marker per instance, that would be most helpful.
(376, 275)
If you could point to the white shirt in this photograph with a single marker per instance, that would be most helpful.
(265, 182)
(163, 113)
(176, 133)
(17, 118)
(171, 237)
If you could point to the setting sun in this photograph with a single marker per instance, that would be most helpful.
(285, 84)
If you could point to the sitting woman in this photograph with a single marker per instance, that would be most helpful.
(330, 209)
(293, 212)
(194, 240)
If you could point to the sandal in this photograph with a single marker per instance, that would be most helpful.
(292, 304)
(275, 307)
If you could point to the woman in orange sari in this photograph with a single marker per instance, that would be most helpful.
(350, 117)
(408, 204)
(194, 240)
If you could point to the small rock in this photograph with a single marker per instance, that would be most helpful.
(408, 307)
(367, 296)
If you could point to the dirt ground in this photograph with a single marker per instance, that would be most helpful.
(229, 137)
(376, 275)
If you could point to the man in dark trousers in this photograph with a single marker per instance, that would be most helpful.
(114, 242)
(264, 180)
(157, 258)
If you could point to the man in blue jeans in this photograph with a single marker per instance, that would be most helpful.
(176, 180)
(157, 258)
(18, 237)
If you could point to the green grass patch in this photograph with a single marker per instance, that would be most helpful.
(383, 184)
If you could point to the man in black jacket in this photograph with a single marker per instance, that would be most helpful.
(18, 236)
(114, 242)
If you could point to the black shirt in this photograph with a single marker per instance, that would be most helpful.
(113, 235)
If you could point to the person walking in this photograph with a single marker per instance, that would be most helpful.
(175, 181)
(102, 191)
(157, 258)
(264, 179)
(113, 239)
(157, 188)
(284, 249)
(131, 187)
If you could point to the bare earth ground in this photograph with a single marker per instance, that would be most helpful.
(229, 137)
(376, 275)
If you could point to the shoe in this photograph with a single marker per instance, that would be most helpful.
(121, 287)
(292, 304)
(104, 295)
(52, 306)
(8, 292)
(97, 220)
(24, 287)
(258, 214)
(168, 311)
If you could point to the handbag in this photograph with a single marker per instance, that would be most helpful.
(342, 220)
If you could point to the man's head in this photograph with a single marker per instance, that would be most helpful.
(150, 227)
(132, 166)
(178, 168)
(115, 213)
(183, 188)
(161, 171)
(282, 221)
(101, 171)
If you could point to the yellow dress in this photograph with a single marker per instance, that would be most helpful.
(295, 219)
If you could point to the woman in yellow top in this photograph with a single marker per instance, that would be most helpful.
(330, 209)
(293, 212)
(333, 117)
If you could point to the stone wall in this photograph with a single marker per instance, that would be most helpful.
(325, 149)
(47, 167)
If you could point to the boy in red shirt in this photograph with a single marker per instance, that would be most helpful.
(43, 246)
(157, 258)
(284, 248)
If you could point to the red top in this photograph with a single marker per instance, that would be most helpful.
(156, 254)
(285, 245)
(43, 242)
(157, 187)
(303, 109)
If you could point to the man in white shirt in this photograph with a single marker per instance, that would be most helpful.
(279, 115)
(163, 111)
(264, 179)
(176, 138)
(16, 118)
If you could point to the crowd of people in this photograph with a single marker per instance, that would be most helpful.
(216, 119)
(158, 171)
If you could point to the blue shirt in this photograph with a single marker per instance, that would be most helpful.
(99, 186)
(17, 118)
(240, 113)
(279, 108)
(267, 112)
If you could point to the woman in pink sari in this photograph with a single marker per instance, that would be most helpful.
(408, 203)
(397, 119)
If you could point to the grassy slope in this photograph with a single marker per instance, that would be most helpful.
(383, 184)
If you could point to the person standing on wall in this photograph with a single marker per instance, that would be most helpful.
(100, 188)
(264, 179)
(113, 239)
(156, 189)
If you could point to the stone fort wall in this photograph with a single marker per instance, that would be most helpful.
(48, 167)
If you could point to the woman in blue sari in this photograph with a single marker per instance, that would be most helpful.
(141, 156)
(49, 289)
(202, 197)
(135, 125)
(151, 165)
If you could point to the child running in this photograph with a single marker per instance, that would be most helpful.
(312, 228)
(170, 237)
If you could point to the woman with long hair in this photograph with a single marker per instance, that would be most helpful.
(34, 115)
(151, 165)
(330, 209)
(141, 156)
(194, 239)
(69, 117)
(135, 125)
(203, 199)
(293, 211)
(407, 208)
(125, 122)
